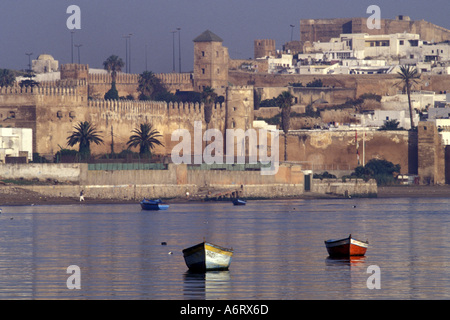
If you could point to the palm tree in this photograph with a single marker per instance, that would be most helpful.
(149, 85)
(84, 134)
(146, 138)
(7, 78)
(208, 98)
(284, 101)
(113, 64)
(408, 75)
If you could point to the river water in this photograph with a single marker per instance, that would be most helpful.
(279, 251)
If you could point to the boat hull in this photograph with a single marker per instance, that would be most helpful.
(207, 256)
(153, 205)
(239, 202)
(346, 247)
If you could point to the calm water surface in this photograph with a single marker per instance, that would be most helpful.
(279, 250)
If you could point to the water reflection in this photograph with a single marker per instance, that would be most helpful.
(209, 285)
(279, 251)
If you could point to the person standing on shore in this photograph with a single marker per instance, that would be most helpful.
(82, 195)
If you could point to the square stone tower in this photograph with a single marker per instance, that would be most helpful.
(210, 63)
(264, 48)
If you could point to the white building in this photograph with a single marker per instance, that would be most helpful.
(363, 45)
(317, 69)
(45, 63)
(282, 64)
(378, 118)
(16, 142)
(420, 100)
(439, 52)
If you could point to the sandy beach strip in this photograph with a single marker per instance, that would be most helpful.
(24, 197)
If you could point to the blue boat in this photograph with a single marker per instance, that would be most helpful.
(147, 204)
(239, 202)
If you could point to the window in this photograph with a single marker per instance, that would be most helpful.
(217, 53)
(203, 53)
(218, 71)
(203, 70)
(402, 42)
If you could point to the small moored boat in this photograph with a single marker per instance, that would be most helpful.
(206, 256)
(346, 247)
(239, 202)
(147, 204)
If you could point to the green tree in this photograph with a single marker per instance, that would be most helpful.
(284, 101)
(146, 138)
(149, 86)
(84, 134)
(382, 171)
(408, 76)
(390, 125)
(113, 64)
(29, 82)
(7, 78)
(208, 98)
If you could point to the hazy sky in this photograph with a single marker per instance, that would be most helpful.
(39, 26)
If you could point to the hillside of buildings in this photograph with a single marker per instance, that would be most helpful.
(340, 83)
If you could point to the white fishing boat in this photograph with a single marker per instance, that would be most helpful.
(206, 256)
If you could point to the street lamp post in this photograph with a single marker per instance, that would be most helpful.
(173, 50)
(128, 53)
(179, 48)
(78, 47)
(29, 60)
(71, 43)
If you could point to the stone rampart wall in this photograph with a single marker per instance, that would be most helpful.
(356, 187)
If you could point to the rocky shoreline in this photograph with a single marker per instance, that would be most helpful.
(13, 196)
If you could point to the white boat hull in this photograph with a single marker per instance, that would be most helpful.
(206, 256)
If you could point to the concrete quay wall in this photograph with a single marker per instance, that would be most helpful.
(136, 184)
(354, 187)
(172, 183)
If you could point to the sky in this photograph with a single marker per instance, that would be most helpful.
(40, 26)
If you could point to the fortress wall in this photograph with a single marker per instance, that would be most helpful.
(328, 150)
(52, 111)
(127, 84)
(382, 84)
(314, 30)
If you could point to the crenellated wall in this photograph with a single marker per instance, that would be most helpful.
(127, 84)
(55, 107)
